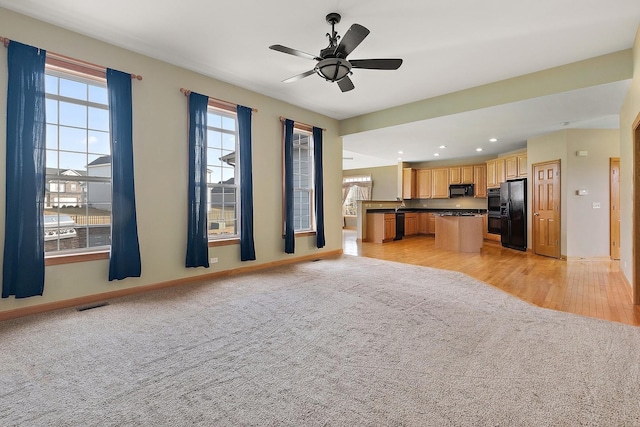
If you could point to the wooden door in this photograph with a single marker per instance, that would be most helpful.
(546, 209)
(614, 207)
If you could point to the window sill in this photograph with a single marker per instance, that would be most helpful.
(302, 234)
(224, 242)
(71, 258)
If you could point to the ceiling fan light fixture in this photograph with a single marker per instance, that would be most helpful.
(333, 69)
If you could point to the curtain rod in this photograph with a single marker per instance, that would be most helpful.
(221, 102)
(65, 58)
(304, 125)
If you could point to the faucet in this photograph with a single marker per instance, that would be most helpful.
(401, 205)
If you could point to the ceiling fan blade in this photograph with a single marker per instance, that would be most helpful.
(293, 52)
(346, 84)
(376, 64)
(299, 76)
(351, 40)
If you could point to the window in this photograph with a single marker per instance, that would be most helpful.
(302, 181)
(78, 162)
(355, 188)
(223, 172)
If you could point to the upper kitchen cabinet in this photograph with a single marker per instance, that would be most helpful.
(440, 183)
(466, 173)
(523, 166)
(461, 175)
(516, 166)
(455, 177)
(423, 183)
(479, 180)
(408, 183)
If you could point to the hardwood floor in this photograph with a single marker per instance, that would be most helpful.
(589, 288)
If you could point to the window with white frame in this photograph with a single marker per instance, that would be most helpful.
(223, 173)
(355, 188)
(78, 162)
(303, 199)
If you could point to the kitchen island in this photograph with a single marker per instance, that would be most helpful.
(460, 233)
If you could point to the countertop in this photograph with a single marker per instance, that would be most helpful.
(447, 212)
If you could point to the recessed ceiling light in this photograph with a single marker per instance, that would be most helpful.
(436, 154)
(478, 149)
(493, 140)
(400, 152)
(443, 146)
(399, 158)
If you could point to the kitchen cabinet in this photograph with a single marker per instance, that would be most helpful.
(423, 183)
(423, 223)
(511, 167)
(381, 227)
(408, 183)
(492, 178)
(479, 181)
(500, 171)
(455, 176)
(410, 223)
(431, 229)
(515, 166)
(523, 166)
(440, 183)
(466, 174)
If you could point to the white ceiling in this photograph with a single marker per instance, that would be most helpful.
(446, 46)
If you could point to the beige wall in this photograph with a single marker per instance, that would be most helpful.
(159, 113)
(584, 230)
(588, 227)
(629, 113)
(384, 181)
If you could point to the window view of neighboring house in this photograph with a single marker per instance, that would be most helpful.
(78, 156)
(223, 172)
(303, 200)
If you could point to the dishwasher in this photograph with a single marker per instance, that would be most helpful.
(399, 226)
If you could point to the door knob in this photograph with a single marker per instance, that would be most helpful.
(536, 214)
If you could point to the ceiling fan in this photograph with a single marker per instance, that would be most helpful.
(333, 65)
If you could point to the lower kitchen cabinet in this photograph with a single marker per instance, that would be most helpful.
(423, 223)
(431, 224)
(410, 223)
(381, 227)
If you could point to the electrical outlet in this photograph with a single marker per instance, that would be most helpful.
(596, 205)
(213, 260)
(457, 206)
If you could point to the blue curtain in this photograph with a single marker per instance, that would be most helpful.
(23, 264)
(289, 237)
(125, 247)
(319, 186)
(197, 238)
(247, 246)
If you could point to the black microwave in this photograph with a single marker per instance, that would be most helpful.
(461, 190)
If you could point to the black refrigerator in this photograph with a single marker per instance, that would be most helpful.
(513, 214)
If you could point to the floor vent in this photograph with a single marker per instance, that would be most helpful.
(316, 260)
(92, 306)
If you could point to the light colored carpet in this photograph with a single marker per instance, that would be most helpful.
(351, 341)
